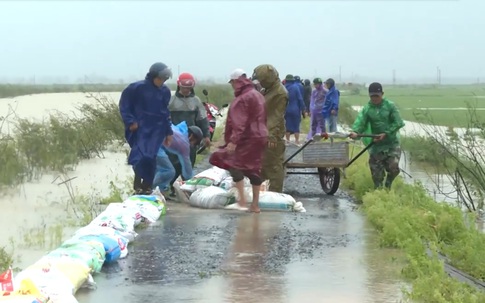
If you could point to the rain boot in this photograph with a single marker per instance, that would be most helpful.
(137, 186)
(146, 188)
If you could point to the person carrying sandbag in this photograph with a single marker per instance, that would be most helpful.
(174, 160)
(246, 137)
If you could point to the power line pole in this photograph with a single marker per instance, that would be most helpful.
(178, 70)
(340, 74)
(393, 77)
(438, 75)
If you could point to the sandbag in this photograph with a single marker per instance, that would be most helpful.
(105, 231)
(212, 197)
(228, 184)
(76, 271)
(50, 281)
(151, 207)
(275, 201)
(131, 210)
(27, 292)
(209, 177)
(122, 222)
(90, 253)
(111, 247)
(182, 196)
(6, 280)
(19, 298)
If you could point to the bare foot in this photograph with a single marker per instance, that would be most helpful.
(242, 204)
(254, 209)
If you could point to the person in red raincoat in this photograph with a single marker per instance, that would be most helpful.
(246, 137)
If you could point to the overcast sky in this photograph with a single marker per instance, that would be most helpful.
(67, 40)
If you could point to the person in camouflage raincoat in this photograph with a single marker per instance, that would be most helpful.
(276, 97)
(382, 118)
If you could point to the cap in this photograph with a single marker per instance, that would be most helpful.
(289, 77)
(236, 74)
(197, 132)
(375, 89)
(317, 81)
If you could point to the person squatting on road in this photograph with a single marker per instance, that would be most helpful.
(307, 95)
(183, 138)
(295, 109)
(383, 118)
(245, 136)
(276, 98)
(144, 109)
(330, 106)
(317, 122)
(186, 106)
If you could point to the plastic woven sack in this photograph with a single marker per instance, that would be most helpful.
(212, 197)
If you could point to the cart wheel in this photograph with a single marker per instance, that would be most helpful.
(329, 179)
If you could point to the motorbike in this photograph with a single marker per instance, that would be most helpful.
(212, 113)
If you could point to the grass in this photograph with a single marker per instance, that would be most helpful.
(59, 142)
(409, 219)
(414, 101)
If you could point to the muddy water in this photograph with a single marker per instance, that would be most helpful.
(325, 255)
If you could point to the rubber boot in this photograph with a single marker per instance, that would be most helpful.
(146, 188)
(137, 186)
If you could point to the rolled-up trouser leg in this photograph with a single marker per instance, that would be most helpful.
(273, 168)
(377, 168)
(392, 165)
(238, 175)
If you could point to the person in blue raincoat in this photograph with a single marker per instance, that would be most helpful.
(144, 109)
(184, 138)
(295, 109)
(301, 86)
(330, 106)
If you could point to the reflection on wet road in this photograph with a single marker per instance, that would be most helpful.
(325, 255)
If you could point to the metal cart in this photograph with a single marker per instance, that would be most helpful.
(327, 159)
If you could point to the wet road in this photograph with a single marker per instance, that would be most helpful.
(328, 254)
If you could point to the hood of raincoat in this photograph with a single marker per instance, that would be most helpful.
(276, 100)
(267, 76)
(246, 128)
(242, 85)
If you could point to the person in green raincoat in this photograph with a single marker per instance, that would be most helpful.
(276, 98)
(382, 118)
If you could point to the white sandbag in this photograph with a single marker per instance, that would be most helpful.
(151, 207)
(228, 184)
(131, 210)
(212, 197)
(182, 196)
(269, 200)
(122, 222)
(106, 231)
(209, 177)
(51, 282)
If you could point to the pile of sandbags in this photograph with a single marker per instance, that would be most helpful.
(57, 276)
(214, 188)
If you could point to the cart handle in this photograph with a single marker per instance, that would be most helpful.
(339, 135)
